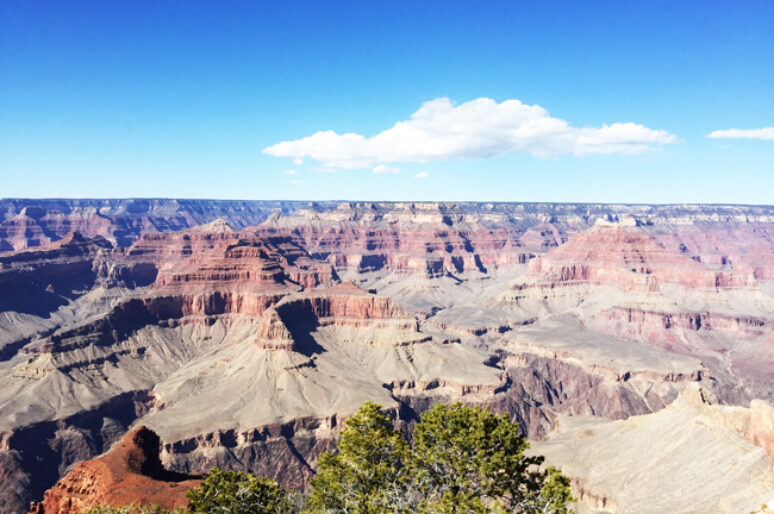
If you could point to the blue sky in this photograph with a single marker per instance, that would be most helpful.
(183, 98)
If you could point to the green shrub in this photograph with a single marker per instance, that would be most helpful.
(462, 459)
(234, 492)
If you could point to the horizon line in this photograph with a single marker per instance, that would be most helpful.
(340, 201)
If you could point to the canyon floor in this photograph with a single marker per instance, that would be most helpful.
(634, 344)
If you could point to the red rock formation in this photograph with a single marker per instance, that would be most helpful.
(214, 270)
(246, 264)
(629, 257)
(346, 300)
(341, 305)
(74, 247)
(217, 256)
(129, 473)
(416, 238)
(36, 226)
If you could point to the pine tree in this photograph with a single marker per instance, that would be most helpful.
(463, 459)
(358, 479)
(466, 457)
(234, 492)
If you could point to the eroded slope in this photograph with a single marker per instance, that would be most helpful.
(246, 348)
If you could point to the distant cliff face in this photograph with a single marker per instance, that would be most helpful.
(29, 223)
(244, 333)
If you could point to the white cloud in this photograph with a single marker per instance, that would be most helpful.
(381, 168)
(766, 133)
(291, 172)
(480, 128)
(298, 161)
(324, 170)
(421, 174)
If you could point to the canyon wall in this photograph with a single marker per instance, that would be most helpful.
(244, 334)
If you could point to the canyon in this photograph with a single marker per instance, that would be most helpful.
(632, 343)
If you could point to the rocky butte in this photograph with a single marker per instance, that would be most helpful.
(130, 473)
(242, 334)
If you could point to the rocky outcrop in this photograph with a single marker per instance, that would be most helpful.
(290, 321)
(540, 387)
(342, 302)
(243, 262)
(38, 226)
(725, 341)
(130, 473)
(34, 456)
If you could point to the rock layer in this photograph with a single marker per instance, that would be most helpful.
(693, 456)
(245, 341)
(130, 473)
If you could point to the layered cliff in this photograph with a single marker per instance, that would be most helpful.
(430, 239)
(244, 341)
(626, 255)
(30, 223)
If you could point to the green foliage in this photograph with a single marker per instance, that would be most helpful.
(556, 491)
(370, 457)
(234, 492)
(464, 455)
(463, 459)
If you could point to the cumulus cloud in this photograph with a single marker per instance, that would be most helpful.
(766, 133)
(480, 128)
(291, 172)
(381, 168)
(421, 174)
